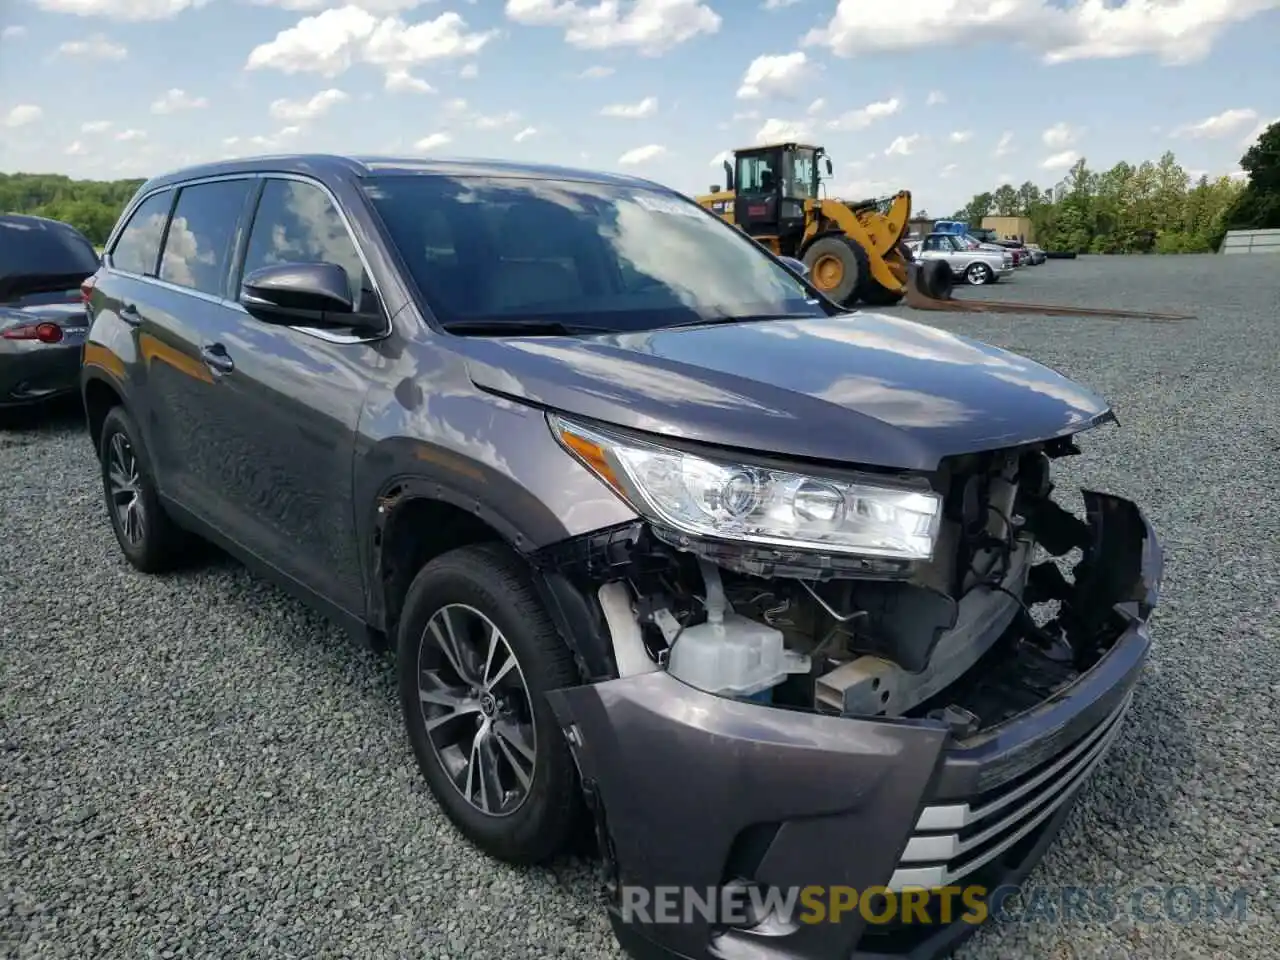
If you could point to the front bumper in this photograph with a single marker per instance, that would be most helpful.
(691, 791)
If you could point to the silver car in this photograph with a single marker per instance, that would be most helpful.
(968, 260)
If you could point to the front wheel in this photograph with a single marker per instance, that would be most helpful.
(836, 267)
(979, 274)
(477, 655)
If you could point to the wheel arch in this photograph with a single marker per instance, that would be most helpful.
(417, 519)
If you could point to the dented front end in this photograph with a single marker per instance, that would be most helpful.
(927, 726)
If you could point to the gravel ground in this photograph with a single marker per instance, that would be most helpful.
(196, 766)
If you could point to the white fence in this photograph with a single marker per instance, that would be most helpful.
(1251, 241)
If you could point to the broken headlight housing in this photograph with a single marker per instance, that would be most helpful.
(723, 500)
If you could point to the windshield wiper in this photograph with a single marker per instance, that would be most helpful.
(527, 326)
(748, 318)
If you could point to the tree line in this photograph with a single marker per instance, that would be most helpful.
(1150, 208)
(91, 206)
(1154, 207)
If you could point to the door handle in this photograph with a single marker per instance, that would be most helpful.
(215, 356)
(129, 314)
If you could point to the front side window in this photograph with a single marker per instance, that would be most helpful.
(138, 248)
(296, 222)
(202, 233)
(621, 258)
(756, 175)
(805, 175)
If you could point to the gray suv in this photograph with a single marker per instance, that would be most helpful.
(667, 546)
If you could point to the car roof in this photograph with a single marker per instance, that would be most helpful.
(31, 220)
(325, 166)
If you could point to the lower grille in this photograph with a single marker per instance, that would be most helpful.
(953, 840)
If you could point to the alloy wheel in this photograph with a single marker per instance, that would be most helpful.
(477, 709)
(977, 274)
(123, 482)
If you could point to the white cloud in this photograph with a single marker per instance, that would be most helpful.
(126, 10)
(1224, 124)
(1060, 135)
(75, 149)
(960, 136)
(1061, 161)
(935, 98)
(525, 134)
(719, 159)
(632, 111)
(331, 42)
(775, 75)
(1005, 146)
(96, 47)
(781, 131)
(1004, 178)
(1176, 31)
(948, 171)
(596, 73)
(470, 71)
(13, 32)
(863, 117)
(23, 115)
(903, 146)
(300, 111)
(175, 100)
(816, 107)
(95, 126)
(431, 142)
(778, 4)
(131, 136)
(650, 26)
(1258, 131)
(494, 121)
(641, 155)
(400, 80)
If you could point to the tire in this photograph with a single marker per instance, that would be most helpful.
(842, 261)
(148, 537)
(936, 279)
(873, 294)
(493, 582)
(979, 274)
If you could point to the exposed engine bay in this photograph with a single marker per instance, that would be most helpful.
(960, 638)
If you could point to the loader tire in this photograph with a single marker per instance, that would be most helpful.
(872, 293)
(837, 267)
(936, 279)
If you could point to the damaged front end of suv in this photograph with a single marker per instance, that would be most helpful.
(860, 679)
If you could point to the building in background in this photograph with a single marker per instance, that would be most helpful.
(1015, 228)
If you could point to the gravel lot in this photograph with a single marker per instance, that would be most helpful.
(197, 766)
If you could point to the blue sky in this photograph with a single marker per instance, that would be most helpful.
(944, 97)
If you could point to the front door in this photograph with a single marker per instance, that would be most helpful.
(296, 396)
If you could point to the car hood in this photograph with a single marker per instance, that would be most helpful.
(861, 388)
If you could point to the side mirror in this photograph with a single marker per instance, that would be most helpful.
(317, 294)
(796, 266)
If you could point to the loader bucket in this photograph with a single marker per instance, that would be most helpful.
(930, 284)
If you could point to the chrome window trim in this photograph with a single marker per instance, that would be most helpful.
(318, 333)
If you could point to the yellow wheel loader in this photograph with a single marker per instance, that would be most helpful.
(853, 251)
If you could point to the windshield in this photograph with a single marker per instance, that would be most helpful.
(804, 175)
(572, 253)
(38, 256)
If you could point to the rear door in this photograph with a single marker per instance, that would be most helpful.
(180, 313)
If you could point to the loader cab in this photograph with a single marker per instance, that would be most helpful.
(771, 184)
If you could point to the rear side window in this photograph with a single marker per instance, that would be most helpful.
(296, 222)
(202, 235)
(37, 256)
(138, 248)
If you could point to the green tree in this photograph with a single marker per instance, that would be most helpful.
(1257, 207)
(91, 206)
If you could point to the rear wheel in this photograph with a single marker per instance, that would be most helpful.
(837, 266)
(149, 539)
(979, 274)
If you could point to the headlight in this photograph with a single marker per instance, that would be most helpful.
(723, 500)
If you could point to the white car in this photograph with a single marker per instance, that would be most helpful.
(968, 259)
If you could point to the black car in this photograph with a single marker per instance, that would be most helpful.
(665, 543)
(42, 313)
